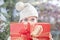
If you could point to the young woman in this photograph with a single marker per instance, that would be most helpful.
(28, 14)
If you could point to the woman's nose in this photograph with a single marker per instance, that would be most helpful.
(29, 21)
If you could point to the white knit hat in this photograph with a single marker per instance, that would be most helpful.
(26, 10)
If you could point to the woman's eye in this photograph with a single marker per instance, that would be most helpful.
(32, 19)
(25, 19)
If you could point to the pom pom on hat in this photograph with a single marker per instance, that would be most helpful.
(19, 6)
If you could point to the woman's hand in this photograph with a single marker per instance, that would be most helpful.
(50, 36)
(19, 38)
(37, 30)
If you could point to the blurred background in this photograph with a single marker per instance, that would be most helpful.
(48, 10)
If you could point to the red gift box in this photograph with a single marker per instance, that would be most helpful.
(18, 29)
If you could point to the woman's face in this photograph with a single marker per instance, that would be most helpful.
(31, 20)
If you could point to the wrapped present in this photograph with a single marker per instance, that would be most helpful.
(18, 30)
(26, 32)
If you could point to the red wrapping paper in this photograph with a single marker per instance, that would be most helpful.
(18, 29)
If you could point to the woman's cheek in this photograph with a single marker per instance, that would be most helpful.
(25, 23)
(32, 23)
